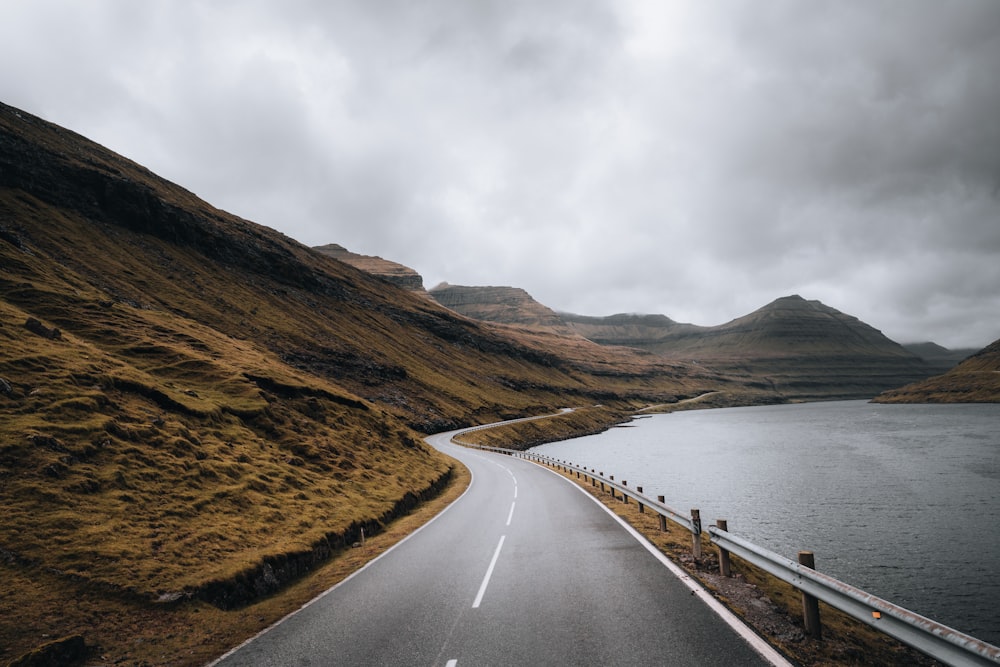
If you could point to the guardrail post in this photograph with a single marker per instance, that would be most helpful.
(663, 519)
(602, 481)
(642, 508)
(696, 533)
(611, 488)
(624, 496)
(810, 605)
(725, 567)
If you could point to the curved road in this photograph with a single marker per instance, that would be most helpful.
(524, 568)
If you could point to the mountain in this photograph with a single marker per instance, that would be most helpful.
(395, 273)
(802, 349)
(807, 349)
(974, 380)
(196, 406)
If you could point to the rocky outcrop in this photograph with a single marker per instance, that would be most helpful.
(39, 329)
(393, 272)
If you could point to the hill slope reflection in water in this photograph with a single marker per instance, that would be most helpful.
(900, 500)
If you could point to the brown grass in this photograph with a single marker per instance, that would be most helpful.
(123, 629)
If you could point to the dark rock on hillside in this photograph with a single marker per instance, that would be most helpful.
(39, 329)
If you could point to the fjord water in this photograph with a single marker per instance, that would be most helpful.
(902, 501)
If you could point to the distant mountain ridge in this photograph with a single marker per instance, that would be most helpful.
(803, 349)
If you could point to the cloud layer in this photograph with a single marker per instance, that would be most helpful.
(693, 159)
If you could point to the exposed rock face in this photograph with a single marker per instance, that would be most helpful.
(975, 380)
(397, 274)
(504, 305)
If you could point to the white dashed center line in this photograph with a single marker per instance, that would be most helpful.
(489, 573)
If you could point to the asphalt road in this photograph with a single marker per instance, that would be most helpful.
(524, 569)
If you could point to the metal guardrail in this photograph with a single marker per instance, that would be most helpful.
(680, 519)
(927, 636)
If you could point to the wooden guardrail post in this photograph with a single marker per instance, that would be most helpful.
(810, 605)
(642, 508)
(663, 518)
(725, 567)
(624, 495)
(696, 533)
(611, 488)
(602, 481)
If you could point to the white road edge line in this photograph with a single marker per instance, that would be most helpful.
(511, 515)
(489, 573)
(766, 651)
(472, 480)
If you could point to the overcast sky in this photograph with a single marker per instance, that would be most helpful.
(691, 158)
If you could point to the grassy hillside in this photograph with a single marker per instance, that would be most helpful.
(196, 407)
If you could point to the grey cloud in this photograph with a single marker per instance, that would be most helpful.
(694, 159)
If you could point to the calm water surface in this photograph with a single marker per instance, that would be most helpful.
(900, 500)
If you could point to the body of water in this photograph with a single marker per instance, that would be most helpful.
(902, 501)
